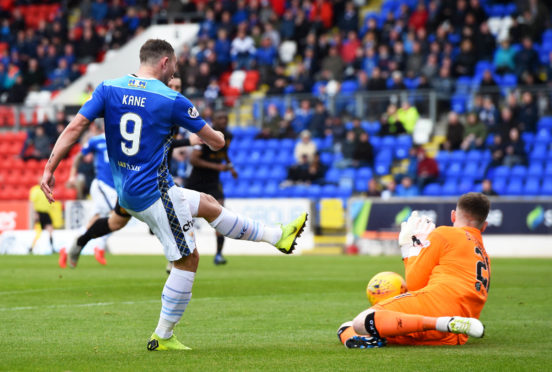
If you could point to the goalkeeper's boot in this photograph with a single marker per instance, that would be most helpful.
(468, 326)
(162, 344)
(74, 254)
(99, 254)
(62, 258)
(290, 233)
(365, 342)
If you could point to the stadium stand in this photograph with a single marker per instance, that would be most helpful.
(354, 60)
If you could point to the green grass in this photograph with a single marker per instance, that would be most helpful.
(256, 313)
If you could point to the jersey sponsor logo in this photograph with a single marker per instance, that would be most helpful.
(128, 166)
(137, 83)
(188, 225)
(192, 111)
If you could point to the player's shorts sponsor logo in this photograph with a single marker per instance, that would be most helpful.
(192, 112)
(188, 225)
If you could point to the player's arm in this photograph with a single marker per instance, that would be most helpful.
(423, 259)
(197, 161)
(212, 138)
(66, 140)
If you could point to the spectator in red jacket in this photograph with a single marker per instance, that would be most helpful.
(428, 170)
(418, 18)
(322, 10)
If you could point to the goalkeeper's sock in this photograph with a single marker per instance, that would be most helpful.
(100, 227)
(393, 323)
(236, 226)
(177, 293)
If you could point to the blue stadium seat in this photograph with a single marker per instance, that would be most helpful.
(546, 188)
(372, 128)
(532, 187)
(535, 169)
(508, 81)
(271, 190)
(481, 66)
(465, 186)
(459, 102)
(515, 187)
(433, 189)
(256, 190)
(382, 168)
(273, 144)
(543, 137)
(364, 173)
(277, 173)
(344, 191)
(472, 171)
(258, 145)
(327, 158)
(547, 36)
(411, 83)
(384, 156)
(314, 191)
(450, 188)
(287, 144)
(458, 156)
(375, 141)
(261, 173)
(539, 153)
(544, 123)
(499, 184)
(328, 191)
(518, 171)
(442, 158)
(347, 173)
(333, 175)
(361, 185)
(401, 152)
(388, 141)
(474, 155)
(548, 170)
(501, 171)
(463, 84)
(454, 169)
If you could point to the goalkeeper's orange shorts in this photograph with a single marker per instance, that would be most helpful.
(428, 303)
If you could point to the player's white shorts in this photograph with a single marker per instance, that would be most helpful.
(103, 196)
(171, 220)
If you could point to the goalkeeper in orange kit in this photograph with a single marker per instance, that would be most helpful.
(448, 276)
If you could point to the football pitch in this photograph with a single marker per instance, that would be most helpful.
(254, 314)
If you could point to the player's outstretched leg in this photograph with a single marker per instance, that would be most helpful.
(157, 343)
(99, 228)
(386, 323)
(236, 226)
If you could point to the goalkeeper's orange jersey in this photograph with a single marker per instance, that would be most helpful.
(453, 263)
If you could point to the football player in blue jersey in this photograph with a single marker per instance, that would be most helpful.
(141, 114)
(102, 189)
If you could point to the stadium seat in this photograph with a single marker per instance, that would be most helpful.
(450, 188)
(499, 184)
(458, 156)
(535, 169)
(539, 153)
(433, 189)
(364, 173)
(349, 86)
(454, 169)
(458, 103)
(361, 185)
(333, 175)
(501, 171)
(515, 187)
(546, 188)
(381, 168)
(532, 187)
(328, 191)
(518, 171)
(474, 156)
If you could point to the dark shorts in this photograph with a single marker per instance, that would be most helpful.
(44, 219)
(120, 210)
(213, 189)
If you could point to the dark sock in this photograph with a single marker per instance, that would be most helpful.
(220, 243)
(52, 241)
(98, 229)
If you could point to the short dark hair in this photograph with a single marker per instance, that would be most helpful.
(153, 49)
(476, 206)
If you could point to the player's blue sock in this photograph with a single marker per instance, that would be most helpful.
(236, 226)
(176, 296)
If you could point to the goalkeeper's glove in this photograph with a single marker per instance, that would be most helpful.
(414, 231)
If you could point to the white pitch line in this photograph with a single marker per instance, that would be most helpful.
(92, 304)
